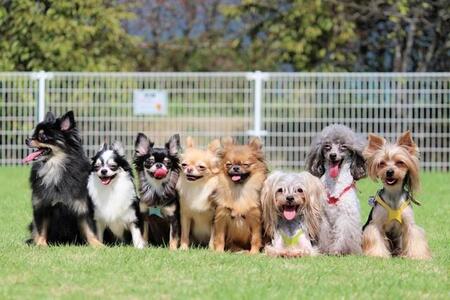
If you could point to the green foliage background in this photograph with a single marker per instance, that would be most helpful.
(225, 35)
(65, 35)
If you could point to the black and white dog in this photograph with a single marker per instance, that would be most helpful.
(112, 190)
(62, 210)
(158, 170)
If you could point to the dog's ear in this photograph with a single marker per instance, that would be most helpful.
(103, 147)
(315, 160)
(406, 141)
(118, 148)
(255, 143)
(190, 142)
(142, 144)
(315, 196)
(269, 214)
(214, 146)
(227, 141)
(173, 145)
(67, 121)
(375, 143)
(50, 117)
(358, 166)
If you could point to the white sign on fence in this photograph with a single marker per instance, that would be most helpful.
(150, 102)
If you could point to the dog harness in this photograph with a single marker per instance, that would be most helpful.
(291, 241)
(332, 200)
(393, 214)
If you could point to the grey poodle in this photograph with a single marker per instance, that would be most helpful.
(336, 157)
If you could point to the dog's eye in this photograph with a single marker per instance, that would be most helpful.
(343, 147)
(382, 164)
(327, 147)
(399, 163)
(280, 190)
(228, 165)
(246, 165)
(201, 168)
(148, 163)
(299, 191)
(184, 165)
(113, 167)
(43, 137)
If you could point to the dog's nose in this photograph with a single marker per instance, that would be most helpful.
(389, 173)
(158, 165)
(27, 141)
(189, 170)
(236, 168)
(290, 198)
(333, 156)
(104, 172)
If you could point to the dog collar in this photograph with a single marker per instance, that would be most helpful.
(393, 214)
(332, 200)
(155, 211)
(291, 241)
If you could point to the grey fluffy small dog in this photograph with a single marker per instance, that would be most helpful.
(336, 157)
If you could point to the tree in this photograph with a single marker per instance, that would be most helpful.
(183, 35)
(401, 36)
(302, 35)
(65, 35)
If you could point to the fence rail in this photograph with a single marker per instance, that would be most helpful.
(286, 109)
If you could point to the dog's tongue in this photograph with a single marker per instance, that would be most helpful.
(236, 178)
(334, 170)
(32, 156)
(105, 180)
(289, 212)
(160, 173)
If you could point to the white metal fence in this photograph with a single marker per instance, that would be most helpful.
(286, 109)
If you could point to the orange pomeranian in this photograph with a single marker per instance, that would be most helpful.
(197, 184)
(237, 222)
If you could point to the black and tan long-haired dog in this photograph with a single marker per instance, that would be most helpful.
(158, 170)
(391, 229)
(62, 210)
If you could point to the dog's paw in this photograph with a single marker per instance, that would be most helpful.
(184, 247)
(96, 243)
(173, 245)
(141, 244)
(41, 241)
(254, 251)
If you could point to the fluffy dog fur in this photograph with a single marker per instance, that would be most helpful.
(197, 185)
(112, 190)
(397, 166)
(158, 170)
(292, 208)
(336, 157)
(237, 222)
(62, 210)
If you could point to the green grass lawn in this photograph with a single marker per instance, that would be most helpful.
(123, 272)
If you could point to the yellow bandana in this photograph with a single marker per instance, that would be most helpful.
(291, 241)
(393, 214)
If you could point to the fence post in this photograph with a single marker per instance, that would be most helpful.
(41, 76)
(258, 77)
